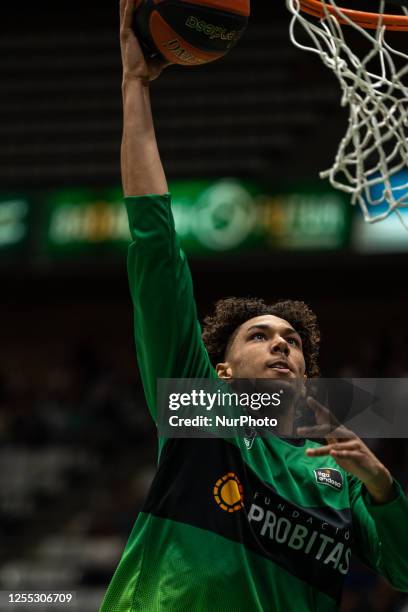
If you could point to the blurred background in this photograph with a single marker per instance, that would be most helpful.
(242, 142)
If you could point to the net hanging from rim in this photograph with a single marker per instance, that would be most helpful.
(373, 77)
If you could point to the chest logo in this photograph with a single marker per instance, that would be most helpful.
(330, 477)
(228, 493)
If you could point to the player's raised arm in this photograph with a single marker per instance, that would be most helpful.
(142, 171)
(167, 333)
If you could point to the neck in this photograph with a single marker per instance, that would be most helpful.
(286, 421)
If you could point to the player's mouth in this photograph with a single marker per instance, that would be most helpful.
(281, 366)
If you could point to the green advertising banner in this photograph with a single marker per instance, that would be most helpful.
(211, 217)
(231, 215)
(83, 221)
(14, 223)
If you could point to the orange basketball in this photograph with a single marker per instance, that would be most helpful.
(190, 33)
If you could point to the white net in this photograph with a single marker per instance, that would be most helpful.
(374, 84)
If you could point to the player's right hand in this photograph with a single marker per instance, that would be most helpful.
(135, 66)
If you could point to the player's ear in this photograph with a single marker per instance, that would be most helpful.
(224, 370)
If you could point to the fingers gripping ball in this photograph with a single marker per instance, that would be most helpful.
(190, 33)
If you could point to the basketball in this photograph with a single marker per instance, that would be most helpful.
(190, 33)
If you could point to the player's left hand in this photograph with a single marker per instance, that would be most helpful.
(349, 452)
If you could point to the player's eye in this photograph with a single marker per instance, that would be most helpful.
(293, 341)
(258, 336)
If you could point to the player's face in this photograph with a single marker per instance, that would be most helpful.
(264, 347)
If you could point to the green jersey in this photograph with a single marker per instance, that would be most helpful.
(230, 525)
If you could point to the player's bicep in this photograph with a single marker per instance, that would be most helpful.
(381, 542)
(366, 541)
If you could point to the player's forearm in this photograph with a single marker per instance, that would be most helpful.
(142, 170)
(381, 488)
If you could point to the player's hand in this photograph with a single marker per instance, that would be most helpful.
(135, 66)
(349, 452)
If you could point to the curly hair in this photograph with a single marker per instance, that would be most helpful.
(230, 313)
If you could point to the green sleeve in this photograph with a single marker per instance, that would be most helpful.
(381, 533)
(167, 332)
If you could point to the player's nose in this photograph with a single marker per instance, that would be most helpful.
(279, 345)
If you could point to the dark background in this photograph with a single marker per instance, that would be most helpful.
(77, 446)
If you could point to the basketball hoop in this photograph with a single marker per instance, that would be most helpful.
(374, 85)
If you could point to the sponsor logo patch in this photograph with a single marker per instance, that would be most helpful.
(329, 476)
(228, 493)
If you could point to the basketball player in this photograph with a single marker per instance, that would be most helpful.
(227, 526)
